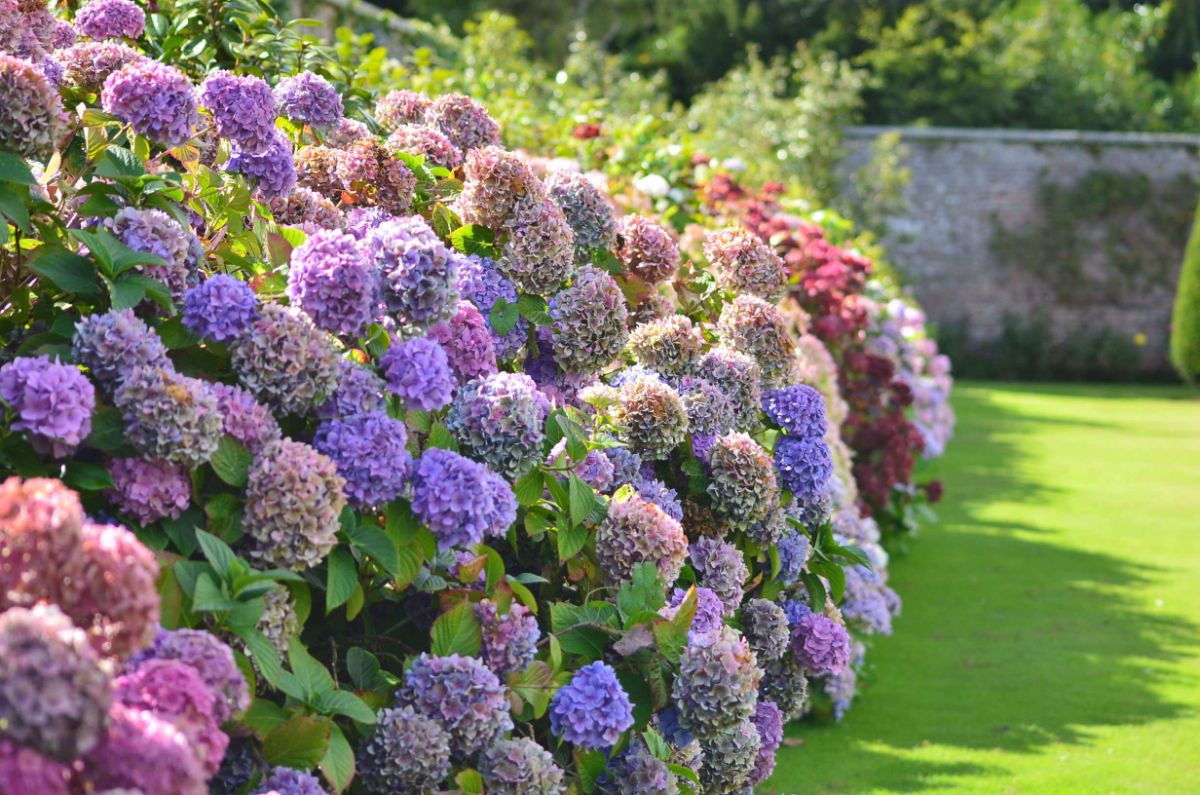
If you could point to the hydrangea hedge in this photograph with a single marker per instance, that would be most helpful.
(348, 450)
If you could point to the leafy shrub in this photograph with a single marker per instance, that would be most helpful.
(1185, 321)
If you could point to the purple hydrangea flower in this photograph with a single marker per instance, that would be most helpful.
(461, 500)
(110, 19)
(596, 469)
(174, 691)
(758, 329)
(520, 767)
(288, 781)
(499, 419)
(639, 772)
(794, 549)
(286, 361)
(152, 231)
(346, 132)
(464, 121)
(709, 617)
(332, 282)
(495, 181)
(745, 263)
(481, 283)
(785, 683)
(462, 695)
(590, 322)
(244, 418)
(220, 308)
(804, 466)
(359, 391)
(768, 719)
(592, 710)
(243, 108)
(638, 531)
(739, 377)
(418, 272)
(426, 142)
(149, 490)
(662, 495)
(821, 644)
(720, 566)
(142, 753)
(114, 344)
(53, 402)
(742, 480)
(509, 640)
(24, 771)
(54, 692)
(62, 34)
(586, 209)
(169, 416)
(309, 99)
(418, 371)
(156, 99)
(540, 254)
(717, 685)
(361, 221)
(53, 71)
(272, 169)
(646, 249)
(32, 121)
(798, 409)
(406, 753)
(467, 342)
(627, 465)
(88, 64)
(868, 603)
(211, 658)
(370, 453)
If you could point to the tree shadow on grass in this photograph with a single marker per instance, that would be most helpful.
(1007, 643)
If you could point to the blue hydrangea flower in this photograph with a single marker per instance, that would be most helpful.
(418, 272)
(309, 99)
(220, 308)
(461, 500)
(418, 371)
(273, 169)
(804, 466)
(663, 496)
(333, 283)
(798, 409)
(592, 710)
(370, 453)
(794, 549)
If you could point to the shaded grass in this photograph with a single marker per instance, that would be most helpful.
(1050, 640)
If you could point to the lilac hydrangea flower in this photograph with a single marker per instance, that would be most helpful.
(627, 465)
(467, 342)
(717, 685)
(156, 99)
(668, 345)
(868, 603)
(272, 169)
(464, 121)
(592, 710)
(798, 409)
(540, 253)
(418, 371)
(370, 453)
(804, 466)
(639, 772)
(152, 231)
(596, 469)
(88, 64)
(758, 329)
(174, 691)
(211, 658)
(509, 640)
(821, 644)
(745, 263)
(587, 210)
(332, 282)
(401, 107)
(651, 418)
(309, 99)
(426, 142)
(461, 500)
(766, 628)
(662, 495)
(499, 419)
(406, 753)
(244, 418)
(142, 753)
(520, 767)
(169, 416)
(739, 377)
(346, 132)
(289, 781)
(709, 617)
(768, 719)
(418, 272)
(495, 181)
(53, 402)
(286, 361)
(149, 490)
(32, 121)
(646, 249)
(638, 531)
(785, 683)
(220, 308)
(794, 549)
(590, 321)
(114, 344)
(362, 220)
(481, 283)
(243, 107)
(720, 566)
(742, 480)
(359, 391)
(110, 19)
(462, 695)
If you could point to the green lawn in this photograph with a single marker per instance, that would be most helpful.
(1050, 639)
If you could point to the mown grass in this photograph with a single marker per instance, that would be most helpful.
(1050, 640)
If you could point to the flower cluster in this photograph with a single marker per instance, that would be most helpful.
(462, 696)
(593, 709)
(461, 500)
(638, 531)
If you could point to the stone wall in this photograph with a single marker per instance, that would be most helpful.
(1084, 229)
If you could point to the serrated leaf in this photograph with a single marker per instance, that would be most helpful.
(341, 580)
(457, 631)
(571, 540)
(311, 674)
(299, 742)
(440, 437)
(343, 702)
(642, 593)
(14, 169)
(581, 497)
(365, 671)
(536, 685)
(68, 272)
(207, 596)
(265, 656)
(656, 744)
(469, 782)
(232, 461)
(379, 545)
(117, 162)
(217, 553)
(338, 763)
(474, 239)
(530, 488)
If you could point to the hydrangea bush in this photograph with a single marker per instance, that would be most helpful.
(348, 450)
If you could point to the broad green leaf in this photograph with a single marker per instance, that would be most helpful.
(469, 782)
(503, 317)
(529, 489)
(108, 430)
(338, 762)
(642, 593)
(68, 272)
(571, 539)
(299, 742)
(581, 497)
(474, 239)
(87, 477)
(217, 553)
(343, 702)
(266, 657)
(311, 673)
(440, 437)
(457, 631)
(207, 597)
(656, 744)
(117, 162)
(263, 716)
(376, 543)
(342, 579)
(232, 461)
(364, 669)
(14, 169)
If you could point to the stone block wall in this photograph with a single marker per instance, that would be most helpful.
(1084, 230)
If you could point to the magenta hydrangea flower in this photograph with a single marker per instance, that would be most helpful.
(114, 344)
(244, 418)
(211, 658)
(464, 121)
(144, 753)
(156, 99)
(426, 142)
(419, 372)
(586, 209)
(467, 342)
(24, 771)
(638, 531)
(509, 640)
(273, 169)
(53, 402)
(646, 249)
(243, 107)
(397, 108)
(720, 567)
(286, 361)
(152, 231)
(54, 692)
(591, 322)
(149, 490)
(309, 99)
(745, 263)
(461, 500)
(169, 416)
(220, 308)
(110, 19)
(359, 391)
(481, 283)
(717, 685)
(333, 283)
(804, 466)
(294, 498)
(820, 644)
(32, 121)
(174, 692)
(462, 695)
(418, 272)
(592, 710)
(499, 419)
(41, 521)
(370, 453)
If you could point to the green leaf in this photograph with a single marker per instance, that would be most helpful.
(117, 162)
(68, 272)
(108, 430)
(343, 702)
(503, 317)
(530, 488)
(150, 288)
(581, 497)
(308, 670)
(126, 294)
(573, 624)
(263, 716)
(182, 530)
(87, 477)
(469, 782)
(642, 593)
(591, 766)
(208, 597)
(338, 762)
(266, 657)
(232, 461)
(440, 437)
(379, 545)
(217, 553)
(536, 685)
(342, 579)
(14, 169)
(457, 631)
(656, 744)
(364, 669)
(571, 539)
(299, 742)
(175, 335)
(474, 239)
